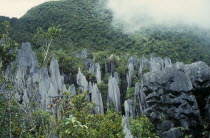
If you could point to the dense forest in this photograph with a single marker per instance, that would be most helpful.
(88, 24)
(81, 36)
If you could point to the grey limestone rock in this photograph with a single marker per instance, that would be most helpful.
(140, 99)
(129, 108)
(84, 53)
(82, 82)
(96, 98)
(26, 58)
(95, 70)
(207, 108)
(165, 125)
(116, 76)
(98, 73)
(134, 60)
(32, 82)
(72, 90)
(169, 92)
(126, 127)
(114, 95)
(172, 133)
(167, 62)
(130, 74)
(199, 73)
(140, 72)
(156, 63)
(56, 79)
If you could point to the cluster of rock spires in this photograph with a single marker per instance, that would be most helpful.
(93, 93)
(42, 84)
(33, 83)
(166, 92)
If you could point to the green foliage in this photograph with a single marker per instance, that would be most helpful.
(83, 124)
(8, 46)
(206, 130)
(103, 87)
(20, 120)
(87, 24)
(145, 70)
(45, 39)
(130, 93)
(143, 128)
(185, 132)
(9, 112)
(114, 59)
(70, 127)
(101, 57)
(42, 124)
(106, 78)
(122, 69)
(69, 64)
(6, 119)
(38, 124)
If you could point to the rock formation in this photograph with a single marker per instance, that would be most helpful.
(95, 70)
(130, 75)
(140, 99)
(32, 82)
(129, 108)
(82, 82)
(168, 91)
(114, 95)
(171, 95)
(72, 90)
(126, 127)
(96, 98)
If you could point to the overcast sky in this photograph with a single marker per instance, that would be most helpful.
(17, 8)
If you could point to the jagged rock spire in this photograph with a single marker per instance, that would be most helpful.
(114, 94)
(81, 81)
(126, 127)
(35, 82)
(95, 70)
(129, 108)
(96, 98)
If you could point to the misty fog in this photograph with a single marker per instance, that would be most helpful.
(133, 15)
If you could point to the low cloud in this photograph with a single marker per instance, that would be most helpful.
(136, 14)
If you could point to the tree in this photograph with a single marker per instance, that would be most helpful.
(8, 47)
(45, 39)
(141, 127)
(83, 124)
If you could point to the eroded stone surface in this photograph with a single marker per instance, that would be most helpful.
(114, 94)
(34, 83)
(126, 127)
(82, 82)
(169, 92)
(96, 98)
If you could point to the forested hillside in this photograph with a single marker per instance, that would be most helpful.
(81, 75)
(88, 24)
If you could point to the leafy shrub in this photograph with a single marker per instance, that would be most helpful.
(130, 93)
(8, 47)
(38, 124)
(83, 124)
(141, 127)
(103, 87)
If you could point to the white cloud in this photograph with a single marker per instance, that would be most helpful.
(17, 8)
(135, 14)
